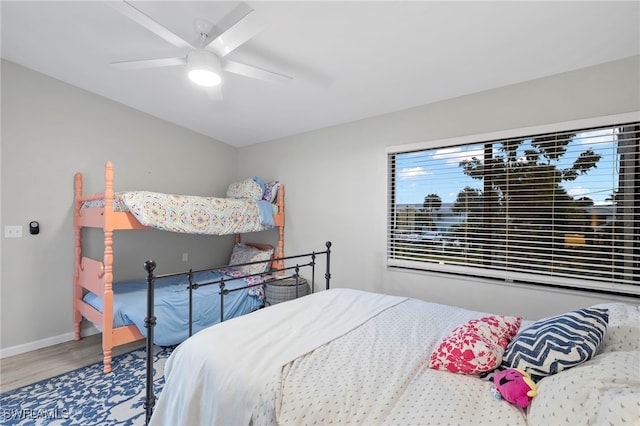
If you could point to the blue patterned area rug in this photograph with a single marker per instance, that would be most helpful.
(87, 396)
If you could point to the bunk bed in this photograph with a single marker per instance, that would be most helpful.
(134, 210)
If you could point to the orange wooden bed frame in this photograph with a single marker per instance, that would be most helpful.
(97, 276)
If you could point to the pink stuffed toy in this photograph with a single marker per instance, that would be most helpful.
(515, 386)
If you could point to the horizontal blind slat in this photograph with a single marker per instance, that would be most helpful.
(517, 209)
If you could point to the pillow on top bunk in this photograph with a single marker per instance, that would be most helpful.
(476, 346)
(271, 191)
(243, 253)
(557, 343)
(251, 188)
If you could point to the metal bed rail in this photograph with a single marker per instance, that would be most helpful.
(151, 320)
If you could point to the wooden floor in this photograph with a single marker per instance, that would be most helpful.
(24, 369)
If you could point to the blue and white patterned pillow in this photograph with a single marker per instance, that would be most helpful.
(557, 343)
(271, 191)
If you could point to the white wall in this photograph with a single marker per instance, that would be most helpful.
(51, 130)
(335, 187)
(336, 180)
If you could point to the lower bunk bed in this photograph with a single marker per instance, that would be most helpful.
(352, 357)
(181, 310)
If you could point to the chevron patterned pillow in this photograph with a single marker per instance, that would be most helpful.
(554, 344)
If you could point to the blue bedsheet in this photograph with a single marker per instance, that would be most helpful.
(266, 213)
(172, 305)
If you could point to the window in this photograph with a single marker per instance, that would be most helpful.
(556, 208)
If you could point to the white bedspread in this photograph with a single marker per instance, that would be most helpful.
(378, 375)
(350, 357)
(216, 376)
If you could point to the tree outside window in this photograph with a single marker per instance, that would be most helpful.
(549, 208)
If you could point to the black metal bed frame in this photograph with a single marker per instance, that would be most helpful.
(150, 320)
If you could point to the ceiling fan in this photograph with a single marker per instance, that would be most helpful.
(205, 59)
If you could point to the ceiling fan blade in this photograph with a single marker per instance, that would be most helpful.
(149, 63)
(147, 22)
(236, 28)
(254, 72)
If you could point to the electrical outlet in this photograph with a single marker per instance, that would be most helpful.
(185, 257)
(13, 231)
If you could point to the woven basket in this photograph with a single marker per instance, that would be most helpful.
(277, 291)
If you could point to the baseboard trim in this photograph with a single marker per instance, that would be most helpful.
(39, 344)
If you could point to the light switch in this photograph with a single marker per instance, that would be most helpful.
(13, 231)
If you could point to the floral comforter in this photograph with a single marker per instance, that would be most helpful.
(194, 214)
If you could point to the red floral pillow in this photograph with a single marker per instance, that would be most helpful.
(476, 346)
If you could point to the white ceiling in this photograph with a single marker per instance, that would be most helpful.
(349, 59)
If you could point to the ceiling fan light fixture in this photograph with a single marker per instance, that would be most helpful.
(204, 68)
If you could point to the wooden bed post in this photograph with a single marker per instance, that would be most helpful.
(280, 250)
(77, 289)
(107, 326)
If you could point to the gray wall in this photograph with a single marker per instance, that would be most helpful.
(335, 187)
(336, 180)
(50, 131)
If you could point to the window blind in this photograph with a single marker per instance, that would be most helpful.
(559, 208)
